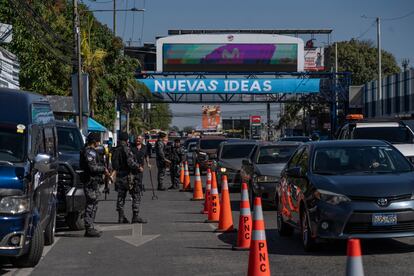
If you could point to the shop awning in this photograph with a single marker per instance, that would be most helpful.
(95, 126)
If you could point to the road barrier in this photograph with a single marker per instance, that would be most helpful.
(187, 182)
(258, 255)
(245, 221)
(198, 187)
(354, 265)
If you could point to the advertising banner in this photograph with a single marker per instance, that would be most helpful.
(230, 57)
(255, 120)
(211, 116)
(314, 59)
(230, 86)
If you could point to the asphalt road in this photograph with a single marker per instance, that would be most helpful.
(176, 241)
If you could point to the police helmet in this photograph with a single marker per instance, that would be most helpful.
(93, 137)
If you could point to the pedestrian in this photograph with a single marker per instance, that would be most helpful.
(161, 158)
(124, 163)
(92, 178)
(176, 157)
(140, 152)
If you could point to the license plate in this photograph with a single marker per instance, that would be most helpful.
(384, 219)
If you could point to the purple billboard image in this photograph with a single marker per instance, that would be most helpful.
(228, 57)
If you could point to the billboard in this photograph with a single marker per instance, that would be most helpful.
(314, 59)
(211, 116)
(226, 86)
(230, 53)
(230, 57)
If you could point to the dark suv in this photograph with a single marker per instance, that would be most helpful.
(70, 195)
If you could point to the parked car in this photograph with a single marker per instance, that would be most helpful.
(346, 188)
(302, 139)
(206, 151)
(261, 170)
(397, 132)
(70, 195)
(28, 176)
(229, 163)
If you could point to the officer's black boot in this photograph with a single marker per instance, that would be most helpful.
(92, 233)
(122, 218)
(137, 219)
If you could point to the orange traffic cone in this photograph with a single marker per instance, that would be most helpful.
(226, 217)
(354, 260)
(258, 256)
(187, 183)
(208, 191)
(214, 208)
(245, 221)
(182, 173)
(198, 187)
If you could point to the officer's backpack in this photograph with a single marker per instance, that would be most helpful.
(118, 158)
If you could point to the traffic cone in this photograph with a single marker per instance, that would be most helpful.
(198, 187)
(354, 260)
(258, 256)
(187, 183)
(214, 208)
(245, 221)
(182, 173)
(226, 217)
(208, 191)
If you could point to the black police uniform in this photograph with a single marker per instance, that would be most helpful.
(93, 172)
(140, 155)
(160, 151)
(123, 161)
(176, 157)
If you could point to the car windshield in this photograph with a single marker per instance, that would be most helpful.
(394, 135)
(12, 144)
(210, 143)
(230, 151)
(275, 154)
(359, 159)
(69, 139)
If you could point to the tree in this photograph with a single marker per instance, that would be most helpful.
(360, 58)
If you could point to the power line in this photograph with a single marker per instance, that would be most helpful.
(366, 31)
(398, 17)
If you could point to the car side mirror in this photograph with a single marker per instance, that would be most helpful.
(294, 172)
(246, 162)
(43, 163)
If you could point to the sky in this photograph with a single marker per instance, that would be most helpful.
(345, 18)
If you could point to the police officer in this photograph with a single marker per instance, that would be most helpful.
(140, 152)
(93, 173)
(176, 157)
(161, 158)
(124, 163)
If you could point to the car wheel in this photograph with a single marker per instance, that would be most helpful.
(308, 242)
(74, 220)
(50, 229)
(32, 257)
(284, 229)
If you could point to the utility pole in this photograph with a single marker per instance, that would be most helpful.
(268, 121)
(380, 111)
(76, 28)
(114, 22)
(114, 134)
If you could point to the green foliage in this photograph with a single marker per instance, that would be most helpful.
(160, 116)
(43, 41)
(360, 58)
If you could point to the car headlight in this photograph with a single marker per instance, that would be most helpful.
(330, 197)
(223, 170)
(14, 205)
(267, 178)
